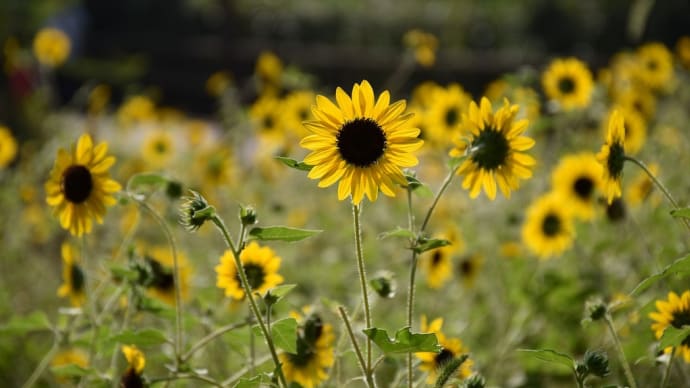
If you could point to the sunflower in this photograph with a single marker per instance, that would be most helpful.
(161, 282)
(73, 276)
(673, 312)
(309, 366)
(269, 72)
(79, 187)
(218, 82)
(548, 229)
(527, 98)
(424, 45)
(132, 378)
(641, 186)
(569, 82)
(683, 50)
(634, 126)
(71, 356)
(432, 363)
(136, 109)
(494, 150)
(577, 177)
(638, 99)
(361, 142)
(297, 109)
(612, 156)
(655, 65)
(51, 47)
(444, 115)
(158, 148)
(216, 168)
(8, 147)
(266, 117)
(468, 268)
(260, 266)
(438, 262)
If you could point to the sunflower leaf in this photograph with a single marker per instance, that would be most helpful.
(283, 332)
(275, 294)
(19, 325)
(678, 267)
(71, 370)
(549, 355)
(429, 244)
(397, 232)
(681, 213)
(281, 233)
(122, 272)
(254, 382)
(139, 186)
(292, 163)
(404, 341)
(417, 186)
(673, 336)
(145, 337)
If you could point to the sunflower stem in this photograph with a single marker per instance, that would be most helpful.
(210, 337)
(658, 184)
(362, 280)
(248, 293)
(369, 378)
(619, 348)
(36, 374)
(667, 370)
(443, 188)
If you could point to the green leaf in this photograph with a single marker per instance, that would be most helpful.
(292, 163)
(397, 232)
(673, 336)
(19, 325)
(427, 244)
(123, 272)
(282, 233)
(145, 337)
(275, 294)
(70, 370)
(678, 267)
(404, 341)
(417, 186)
(140, 184)
(254, 382)
(681, 213)
(455, 162)
(283, 332)
(549, 355)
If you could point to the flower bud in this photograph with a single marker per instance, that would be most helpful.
(194, 211)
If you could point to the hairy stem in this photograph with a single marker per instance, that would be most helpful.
(621, 354)
(362, 278)
(368, 377)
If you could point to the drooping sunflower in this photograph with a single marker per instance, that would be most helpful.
(132, 378)
(73, 278)
(79, 187)
(433, 363)
(315, 354)
(577, 177)
(438, 263)
(495, 150)
(158, 148)
(612, 156)
(443, 119)
(361, 142)
(634, 126)
(260, 266)
(8, 147)
(548, 229)
(160, 263)
(641, 186)
(656, 65)
(569, 82)
(675, 311)
(51, 47)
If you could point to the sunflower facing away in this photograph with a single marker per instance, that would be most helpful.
(612, 156)
(494, 150)
(634, 127)
(79, 187)
(673, 312)
(72, 276)
(548, 228)
(569, 82)
(361, 142)
(433, 363)
(260, 265)
(578, 178)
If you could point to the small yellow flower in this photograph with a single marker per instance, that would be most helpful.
(72, 276)
(8, 147)
(569, 82)
(641, 186)
(51, 47)
(158, 148)
(71, 356)
(98, 99)
(424, 45)
(260, 266)
(443, 118)
(432, 363)
(136, 109)
(269, 70)
(162, 285)
(438, 263)
(548, 229)
(218, 82)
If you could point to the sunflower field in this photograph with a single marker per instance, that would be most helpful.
(302, 194)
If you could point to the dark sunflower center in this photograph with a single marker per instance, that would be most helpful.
(305, 353)
(443, 357)
(490, 149)
(131, 379)
(452, 116)
(215, 167)
(584, 186)
(436, 258)
(161, 147)
(566, 85)
(466, 267)
(361, 142)
(268, 123)
(616, 160)
(680, 318)
(255, 275)
(551, 225)
(77, 278)
(616, 210)
(77, 183)
(162, 277)
(652, 65)
(303, 114)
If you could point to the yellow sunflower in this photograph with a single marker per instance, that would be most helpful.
(297, 109)
(577, 177)
(569, 82)
(673, 312)
(443, 118)
(135, 367)
(71, 356)
(79, 187)
(362, 142)
(641, 186)
(527, 98)
(433, 363)
(269, 72)
(548, 229)
(218, 82)
(424, 45)
(260, 266)
(98, 99)
(494, 149)
(634, 126)
(8, 147)
(612, 156)
(315, 354)
(655, 65)
(438, 263)
(468, 268)
(216, 168)
(423, 94)
(638, 99)
(266, 117)
(158, 148)
(136, 109)
(683, 50)
(74, 281)
(51, 47)
(161, 285)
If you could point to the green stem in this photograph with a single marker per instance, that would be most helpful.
(186, 376)
(621, 354)
(248, 293)
(42, 365)
(667, 370)
(210, 337)
(369, 378)
(238, 375)
(362, 278)
(443, 188)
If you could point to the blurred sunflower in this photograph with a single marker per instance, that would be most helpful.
(136, 109)
(525, 97)
(569, 82)
(51, 47)
(158, 148)
(215, 168)
(8, 147)
(683, 50)
(424, 45)
(132, 378)
(612, 156)
(423, 94)
(98, 99)
(260, 266)
(494, 150)
(266, 117)
(638, 99)
(548, 229)
(444, 116)
(641, 186)
(73, 278)
(577, 177)
(656, 65)
(437, 263)
(433, 363)
(315, 354)
(79, 187)
(634, 126)
(297, 109)
(160, 281)
(218, 82)
(71, 356)
(673, 312)
(362, 142)
(269, 72)
(468, 269)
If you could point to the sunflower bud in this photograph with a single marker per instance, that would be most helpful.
(384, 284)
(248, 215)
(475, 381)
(597, 363)
(595, 309)
(194, 211)
(173, 189)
